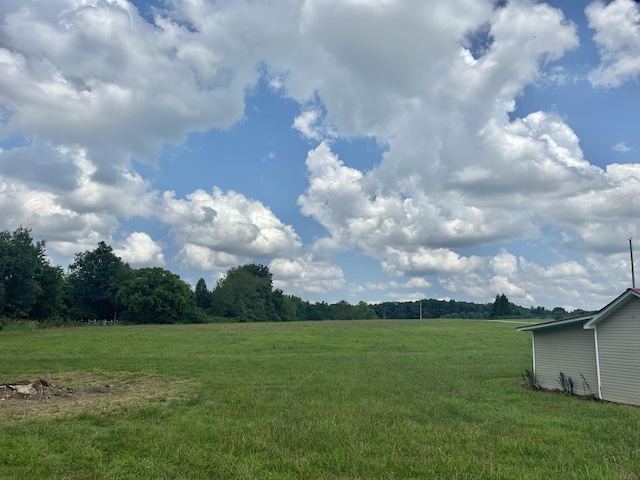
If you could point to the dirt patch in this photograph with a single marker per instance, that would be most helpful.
(74, 392)
(40, 389)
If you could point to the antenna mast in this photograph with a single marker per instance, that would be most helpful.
(633, 275)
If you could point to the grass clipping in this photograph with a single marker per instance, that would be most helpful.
(75, 392)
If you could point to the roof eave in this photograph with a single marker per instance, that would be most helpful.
(554, 323)
(612, 307)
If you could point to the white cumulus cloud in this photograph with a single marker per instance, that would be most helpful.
(305, 274)
(228, 223)
(90, 88)
(139, 249)
(617, 34)
(621, 147)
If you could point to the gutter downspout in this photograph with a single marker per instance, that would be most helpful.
(595, 336)
(533, 346)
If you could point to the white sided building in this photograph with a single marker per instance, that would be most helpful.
(600, 351)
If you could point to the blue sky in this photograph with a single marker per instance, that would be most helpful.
(379, 151)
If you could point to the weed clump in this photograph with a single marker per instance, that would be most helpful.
(530, 380)
(566, 384)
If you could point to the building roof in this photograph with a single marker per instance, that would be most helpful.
(589, 321)
(555, 323)
(613, 306)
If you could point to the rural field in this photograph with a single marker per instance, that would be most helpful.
(307, 400)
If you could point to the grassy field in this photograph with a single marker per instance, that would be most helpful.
(310, 400)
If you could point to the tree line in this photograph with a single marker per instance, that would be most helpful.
(501, 308)
(98, 285)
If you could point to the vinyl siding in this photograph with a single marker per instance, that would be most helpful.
(619, 349)
(568, 349)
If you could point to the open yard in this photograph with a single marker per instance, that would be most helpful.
(311, 400)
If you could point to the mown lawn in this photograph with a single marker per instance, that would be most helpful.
(310, 400)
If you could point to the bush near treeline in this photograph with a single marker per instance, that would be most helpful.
(98, 285)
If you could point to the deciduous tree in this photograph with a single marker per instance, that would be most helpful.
(245, 293)
(363, 311)
(30, 287)
(93, 281)
(155, 295)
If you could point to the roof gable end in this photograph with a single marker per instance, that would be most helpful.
(612, 307)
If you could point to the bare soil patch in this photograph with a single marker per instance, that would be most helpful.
(60, 394)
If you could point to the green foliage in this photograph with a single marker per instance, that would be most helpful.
(245, 292)
(18, 259)
(50, 301)
(559, 312)
(30, 287)
(318, 311)
(286, 306)
(363, 311)
(432, 308)
(93, 281)
(341, 310)
(2, 295)
(203, 295)
(501, 307)
(155, 295)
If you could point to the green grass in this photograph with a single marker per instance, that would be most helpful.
(325, 400)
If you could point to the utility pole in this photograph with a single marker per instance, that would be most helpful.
(633, 275)
(420, 309)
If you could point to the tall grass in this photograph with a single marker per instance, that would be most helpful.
(327, 400)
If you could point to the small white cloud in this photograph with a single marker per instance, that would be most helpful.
(355, 289)
(415, 282)
(426, 261)
(306, 274)
(141, 250)
(197, 257)
(269, 156)
(406, 296)
(621, 147)
(556, 75)
(306, 124)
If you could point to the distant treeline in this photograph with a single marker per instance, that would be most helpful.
(501, 308)
(99, 286)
